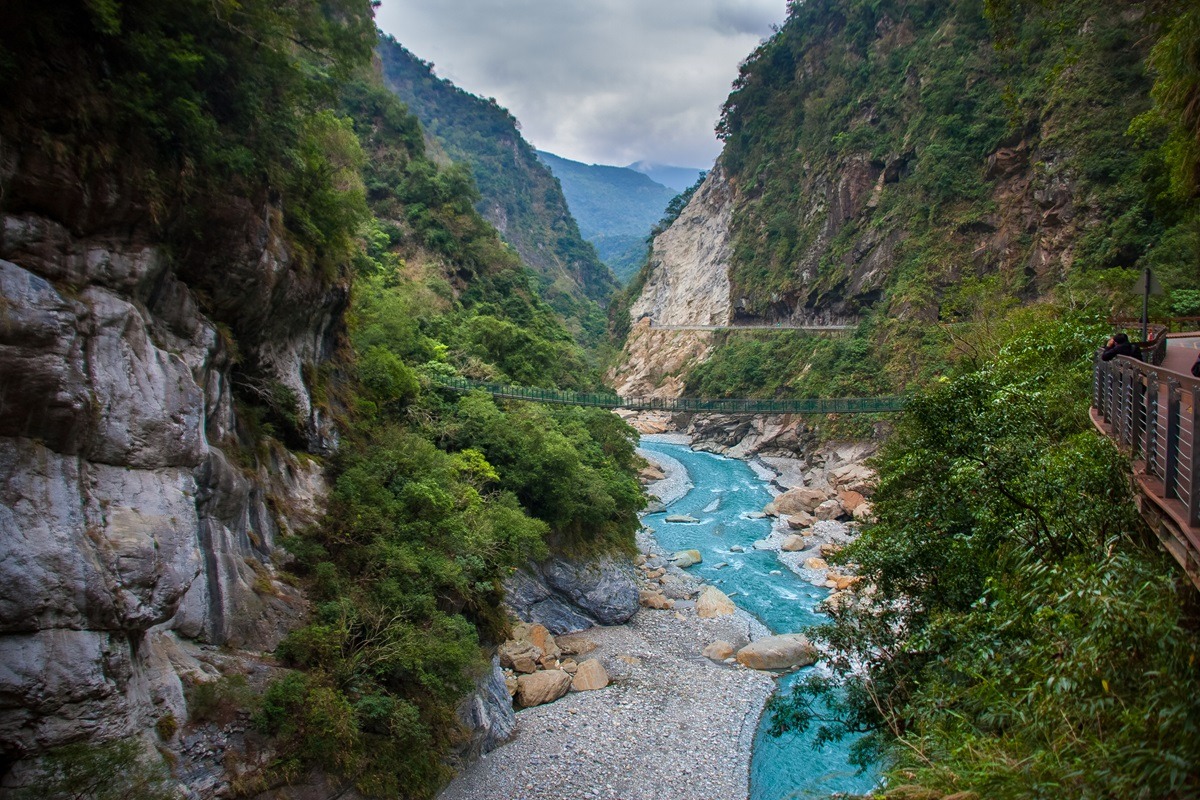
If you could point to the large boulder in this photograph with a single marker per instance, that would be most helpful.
(793, 544)
(519, 655)
(712, 602)
(778, 652)
(854, 478)
(830, 509)
(686, 558)
(795, 501)
(542, 687)
(568, 596)
(589, 676)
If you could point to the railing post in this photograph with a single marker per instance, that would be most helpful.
(1171, 439)
(1191, 422)
(1149, 413)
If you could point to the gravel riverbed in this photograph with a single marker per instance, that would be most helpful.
(672, 725)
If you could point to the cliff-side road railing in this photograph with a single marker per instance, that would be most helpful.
(841, 405)
(1152, 411)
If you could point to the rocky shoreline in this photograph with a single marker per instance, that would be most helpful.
(671, 724)
(675, 721)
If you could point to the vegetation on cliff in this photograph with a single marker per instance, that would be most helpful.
(194, 115)
(1025, 636)
(893, 159)
(437, 497)
(517, 193)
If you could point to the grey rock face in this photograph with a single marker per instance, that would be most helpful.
(125, 520)
(568, 596)
(488, 714)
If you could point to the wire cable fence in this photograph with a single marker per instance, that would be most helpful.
(842, 405)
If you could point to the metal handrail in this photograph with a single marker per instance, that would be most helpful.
(840, 405)
(1155, 416)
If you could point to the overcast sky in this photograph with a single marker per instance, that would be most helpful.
(598, 81)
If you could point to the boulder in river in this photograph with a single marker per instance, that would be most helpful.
(712, 602)
(686, 558)
(793, 544)
(778, 652)
(681, 518)
(589, 676)
(654, 507)
(542, 687)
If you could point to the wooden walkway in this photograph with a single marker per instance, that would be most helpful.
(1153, 412)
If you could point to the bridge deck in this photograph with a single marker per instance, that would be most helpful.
(837, 405)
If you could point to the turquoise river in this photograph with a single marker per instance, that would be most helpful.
(724, 493)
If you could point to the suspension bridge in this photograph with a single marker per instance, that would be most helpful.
(842, 405)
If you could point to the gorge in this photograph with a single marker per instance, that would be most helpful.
(252, 545)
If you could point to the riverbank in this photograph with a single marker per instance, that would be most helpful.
(671, 725)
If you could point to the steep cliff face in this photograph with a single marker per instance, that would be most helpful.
(687, 283)
(130, 516)
(898, 164)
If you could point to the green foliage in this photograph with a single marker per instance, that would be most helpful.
(860, 139)
(205, 98)
(116, 770)
(220, 700)
(1020, 621)
(790, 364)
(515, 190)
(436, 499)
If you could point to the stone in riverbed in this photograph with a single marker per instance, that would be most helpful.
(712, 602)
(778, 652)
(654, 507)
(589, 676)
(719, 651)
(655, 600)
(542, 687)
(737, 548)
(686, 558)
(796, 500)
(830, 509)
(793, 544)
(681, 518)
(815, 563)
(519, 655)
(800, 520)
(762, 544)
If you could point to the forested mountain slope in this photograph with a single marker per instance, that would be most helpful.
(518, 194)
(255, 542)
(616, 208)
(893, 163)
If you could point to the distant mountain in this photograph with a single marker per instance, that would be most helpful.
(615, 206)
(678, 178)
(519, 195)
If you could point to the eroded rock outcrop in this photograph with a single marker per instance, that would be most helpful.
(127, 507)
(568, 596)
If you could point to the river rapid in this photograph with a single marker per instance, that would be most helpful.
(724, 494)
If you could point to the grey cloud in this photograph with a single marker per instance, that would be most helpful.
(609, 81)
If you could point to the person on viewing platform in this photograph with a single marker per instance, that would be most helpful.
(1120, 345)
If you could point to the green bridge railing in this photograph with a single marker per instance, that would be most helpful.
(841, 405)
